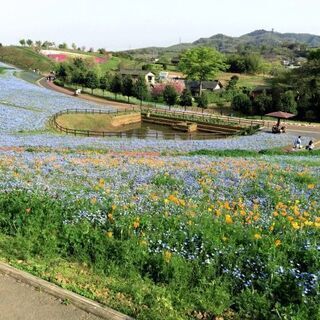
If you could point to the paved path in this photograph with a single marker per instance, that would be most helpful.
(19, 301)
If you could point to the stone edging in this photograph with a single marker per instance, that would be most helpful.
(82, 303)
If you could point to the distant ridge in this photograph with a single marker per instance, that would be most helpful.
(255, 38)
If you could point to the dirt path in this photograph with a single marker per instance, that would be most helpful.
(84, 96)
(19, 301)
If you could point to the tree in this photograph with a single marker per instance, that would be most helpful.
(241, 102)
(202, 64)
(104, 82)
(186, 99)
(253, 63)
(170, 95)
(288, 102)
(232, 84)
(63, 72)
(22, 42)
(63, 45)
(92, 81)
(140, 89)
(262, 104)
(74, 46)
(116, 85)
(127, 87)
(102, 51)
(29, 42)
(203, 101)
(46, 44)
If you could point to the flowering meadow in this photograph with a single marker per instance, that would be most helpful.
(152, 230)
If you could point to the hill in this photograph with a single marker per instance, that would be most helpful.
(25, 58)
(226, 43)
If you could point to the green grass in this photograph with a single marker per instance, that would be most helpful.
(28, 76)
(93, 122)
(25, 58)
(115, 63)
(245, 80)
(250, 153)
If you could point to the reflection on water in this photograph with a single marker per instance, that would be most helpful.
(150, 130)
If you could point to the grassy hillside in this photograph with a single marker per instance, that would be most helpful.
(25, 58)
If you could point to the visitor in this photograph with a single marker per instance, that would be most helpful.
(297, 143)
(310, 146)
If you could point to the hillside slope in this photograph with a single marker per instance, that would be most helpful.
(25, 58)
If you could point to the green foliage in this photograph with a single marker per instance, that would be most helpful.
(202, 63)
(232, 83)
(91, 80)
(288, 102)
(246, 63)
(262, 104)
(186, 98)
(170, 95)
(202, 100)
(140, 89)
(116, 85)
(242, 103)
(105, 82)
(127, 87)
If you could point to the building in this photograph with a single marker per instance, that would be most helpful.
(194, 86)
(135, 74)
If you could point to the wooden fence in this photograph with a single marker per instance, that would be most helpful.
(156, 135)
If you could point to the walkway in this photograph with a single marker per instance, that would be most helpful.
(19, 301)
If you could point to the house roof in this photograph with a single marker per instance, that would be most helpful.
(206, 85)
(133, 72)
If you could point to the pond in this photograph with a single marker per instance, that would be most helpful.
(150, 130)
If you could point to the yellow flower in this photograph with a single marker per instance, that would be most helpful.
(229, 219)
(136, 224)
(167, 255)
(311, 186)
(109, 234)
(143, 242)
(218, 213)
(224, 238)
(93, 200)
(295, 225)
(257, 236)
(227, 205)
(277, 243)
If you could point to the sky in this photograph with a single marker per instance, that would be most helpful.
(124, 24)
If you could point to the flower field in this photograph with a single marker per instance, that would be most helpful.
(188, 236)
(147, 228)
